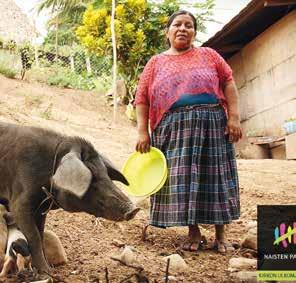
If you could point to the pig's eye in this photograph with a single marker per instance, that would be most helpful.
(83, 156)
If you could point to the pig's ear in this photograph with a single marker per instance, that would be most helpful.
(72, 174)
(113, 173)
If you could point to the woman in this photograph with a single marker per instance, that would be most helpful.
(190, 99)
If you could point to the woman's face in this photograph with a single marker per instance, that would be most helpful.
(181, 32)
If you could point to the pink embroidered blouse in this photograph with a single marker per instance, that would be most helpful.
(167, 77)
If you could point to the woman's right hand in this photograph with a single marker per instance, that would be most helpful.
(143, 143)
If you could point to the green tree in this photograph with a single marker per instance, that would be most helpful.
(68, 10)
(55, 6)
(66, 15)
(138, 24)
(65, 34)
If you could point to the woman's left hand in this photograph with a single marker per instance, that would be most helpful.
(233, 129)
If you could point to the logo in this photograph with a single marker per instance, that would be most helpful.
(276, 240)
(284, 236)
(276, 243)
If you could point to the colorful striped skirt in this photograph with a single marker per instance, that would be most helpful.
(202, 184)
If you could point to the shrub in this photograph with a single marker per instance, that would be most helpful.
(40, 74)
(137, 25)
(1, 43)
(65, 78)
(103, 83)
(10, 45)
(10, 64)
(7, 71)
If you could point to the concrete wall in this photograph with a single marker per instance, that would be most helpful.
(265, 73)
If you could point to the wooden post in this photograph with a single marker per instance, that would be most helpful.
(56, 38)
(88, 65)
(114, 62)
(72, 64)
(36, 56)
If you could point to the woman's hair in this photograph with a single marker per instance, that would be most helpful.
(178, 13)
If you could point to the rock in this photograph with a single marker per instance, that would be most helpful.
(3, 233)
(118, 243)
(251, 224)
(53, 249)
(171, 278)
(177, 263)
(253, 231)
(127, 256)
(75, 272)
(245, 276)
(250, 241)
(248, 255)
(242, 263)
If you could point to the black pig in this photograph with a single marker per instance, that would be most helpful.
(36, 163)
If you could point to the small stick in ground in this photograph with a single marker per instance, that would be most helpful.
(144, 233)
(167, 271)
(106, 275)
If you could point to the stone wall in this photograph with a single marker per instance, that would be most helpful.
(14, 24)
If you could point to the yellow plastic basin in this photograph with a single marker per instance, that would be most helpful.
(145, 172)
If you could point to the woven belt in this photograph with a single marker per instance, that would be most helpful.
(189, 107)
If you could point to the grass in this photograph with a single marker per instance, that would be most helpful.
(65, 78)
(10, 64)
(62, 77)
(54, 74)
(103, 83)
(7, 72)
(39, 74)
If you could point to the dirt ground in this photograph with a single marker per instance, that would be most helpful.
(90, 242)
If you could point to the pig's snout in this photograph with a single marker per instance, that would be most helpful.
(131, 214)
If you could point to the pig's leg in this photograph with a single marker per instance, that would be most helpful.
(25, 220)
(40, 222)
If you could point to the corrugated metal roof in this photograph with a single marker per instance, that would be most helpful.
(256, 17)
